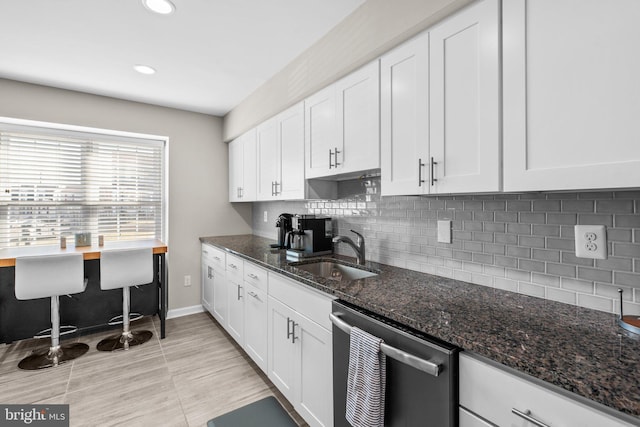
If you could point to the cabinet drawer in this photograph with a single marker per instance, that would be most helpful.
(310, 303)
(215, 257)
(255, 275)
(235, 268)
(493, 393)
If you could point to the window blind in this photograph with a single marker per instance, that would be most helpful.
(57, 183)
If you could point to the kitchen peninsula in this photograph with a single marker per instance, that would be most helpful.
(89, 310)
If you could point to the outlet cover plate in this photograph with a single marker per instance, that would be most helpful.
(591, 241)
(444, 231)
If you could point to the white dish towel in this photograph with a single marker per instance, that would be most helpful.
(366, 381)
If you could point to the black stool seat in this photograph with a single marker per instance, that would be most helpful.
(266, 412)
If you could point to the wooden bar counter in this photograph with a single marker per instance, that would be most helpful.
(90, 310)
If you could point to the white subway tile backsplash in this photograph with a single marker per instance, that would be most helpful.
(518, 242)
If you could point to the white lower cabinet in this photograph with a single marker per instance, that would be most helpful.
(300, 349)
(255, 321)
(235, 316)
(283, 326)
(213, 290)
(496, 395)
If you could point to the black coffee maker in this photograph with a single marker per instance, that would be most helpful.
(283, 223)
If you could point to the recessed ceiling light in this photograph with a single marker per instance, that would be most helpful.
(163, 7)
(144, 69)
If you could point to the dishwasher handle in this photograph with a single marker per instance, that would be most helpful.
(427, 366)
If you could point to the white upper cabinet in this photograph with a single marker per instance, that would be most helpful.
(571, 94)
(342, 125)
(358, 120)
(465, 101)
(242, 168)
(280, 152)
(291, 143)
(440, 109)
(268, 154)
(321, 139)
(404, 120)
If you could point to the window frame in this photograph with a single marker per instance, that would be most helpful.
(107, 135)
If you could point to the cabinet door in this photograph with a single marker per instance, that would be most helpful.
(571, 94)
(249, 164)
(235, 315)
(291, 183)
(404, 119)
(314, 401)
(207, 285)
(282, 351)
(268, 154)
(358, 120)
(320, 133)
(464, 101)
(219, 297)
(255, 325)
(236, 169)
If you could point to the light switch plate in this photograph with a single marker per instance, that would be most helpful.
(444, 231)
(591, 241)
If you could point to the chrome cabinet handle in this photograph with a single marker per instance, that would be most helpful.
(433, 178)
(288, 328)
(239, 296)
(205, 252)
(293, 332)
(330, 154)
(253, 294)
(275, 183)
(253, 276)
(420, 180)
(335, 158)
(272, 192)
(209, 272)
(217, 258)
(233, 266)
(527, 416)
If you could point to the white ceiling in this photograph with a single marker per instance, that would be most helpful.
(209, 54)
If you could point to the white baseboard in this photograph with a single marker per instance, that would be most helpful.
(184, 311)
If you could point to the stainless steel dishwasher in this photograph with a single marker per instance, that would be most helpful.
(422, 372)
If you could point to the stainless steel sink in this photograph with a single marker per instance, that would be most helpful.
(333, 270)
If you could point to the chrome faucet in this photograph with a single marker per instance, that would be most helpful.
(358, 247)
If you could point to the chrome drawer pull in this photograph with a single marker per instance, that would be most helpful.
(527, 416)
(392, 352)
(253, 294)
(233, 266)
(253, 276)
(217, 258)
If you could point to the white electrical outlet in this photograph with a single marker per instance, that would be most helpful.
(265, 216)
(187, 280)
(444, 231)
(591, 241)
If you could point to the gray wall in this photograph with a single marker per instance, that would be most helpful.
(198, 170)
(518, 242)
(372, 29)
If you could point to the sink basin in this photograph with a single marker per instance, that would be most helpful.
(333, 270)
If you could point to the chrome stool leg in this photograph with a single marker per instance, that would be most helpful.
(127, 338)
(56, 354)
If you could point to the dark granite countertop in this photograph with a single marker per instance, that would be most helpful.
(580, 350)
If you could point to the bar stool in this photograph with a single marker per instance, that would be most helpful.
(123, 268)
(50, 276)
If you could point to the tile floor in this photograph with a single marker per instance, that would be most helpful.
(196, 373)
